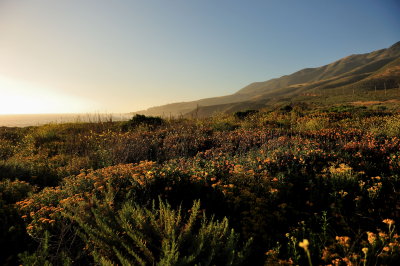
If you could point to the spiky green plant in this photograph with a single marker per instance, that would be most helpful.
(160, 235)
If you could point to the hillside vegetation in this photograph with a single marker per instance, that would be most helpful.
(353, 78)
(291, 185)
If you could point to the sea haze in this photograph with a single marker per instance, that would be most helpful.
(24, 120)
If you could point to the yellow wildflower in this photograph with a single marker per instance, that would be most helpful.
(365, 250)
(304, 244)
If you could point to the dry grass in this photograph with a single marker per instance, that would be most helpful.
(367, 103)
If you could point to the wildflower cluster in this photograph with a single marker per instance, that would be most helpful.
(328, 178)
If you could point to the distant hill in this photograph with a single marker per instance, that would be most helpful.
(359, 77)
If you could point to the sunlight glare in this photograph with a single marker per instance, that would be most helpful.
(17, 97)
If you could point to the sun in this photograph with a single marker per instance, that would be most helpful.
(18, 97)
(17, 104)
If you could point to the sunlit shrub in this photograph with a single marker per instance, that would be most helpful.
(312, 124)
(392, 126)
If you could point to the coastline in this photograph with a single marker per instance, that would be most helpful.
(25, 120)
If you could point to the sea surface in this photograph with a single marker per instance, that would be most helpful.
(42, 119)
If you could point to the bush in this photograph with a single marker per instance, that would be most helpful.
(13, 236)
(159, 235)
(244, 114)
(287, 108)
(142, 120)
(224, 126)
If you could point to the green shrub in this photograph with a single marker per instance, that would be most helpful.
(45, 134)
(244, 114)
(42, 256)
(36, 169)
(7, 149)
(13, 236)
(142, 120)
(386, 126)
(286, 108)
(392, 126)
(312, 124)
(160, 235)
(224, 126)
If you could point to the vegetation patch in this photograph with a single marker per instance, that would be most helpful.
(300, 186)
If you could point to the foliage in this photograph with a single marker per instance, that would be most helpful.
(142, 120)
(160, 235)
(328, 176)
(42, 254)
(13, 237)
(244, 114)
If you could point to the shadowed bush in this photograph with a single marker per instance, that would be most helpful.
(13, 236)
(160, 235)
(142, 120)
(244, 114)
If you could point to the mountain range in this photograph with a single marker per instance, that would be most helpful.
(373, 76)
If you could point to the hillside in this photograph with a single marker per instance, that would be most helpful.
(368, 76)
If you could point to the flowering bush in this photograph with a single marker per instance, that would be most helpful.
(328, 177)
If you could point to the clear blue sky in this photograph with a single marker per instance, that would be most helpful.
(126, 55)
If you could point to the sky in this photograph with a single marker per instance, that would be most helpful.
(86, 56)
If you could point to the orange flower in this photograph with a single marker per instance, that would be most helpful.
(344, 241)
(389, 222)
(371, 237)
(273, 190)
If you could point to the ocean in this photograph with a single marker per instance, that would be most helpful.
(42, 119)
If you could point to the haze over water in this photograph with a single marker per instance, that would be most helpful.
(24, 120)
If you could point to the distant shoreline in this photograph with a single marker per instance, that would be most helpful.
(25, 120)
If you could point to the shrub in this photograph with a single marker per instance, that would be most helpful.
(312, 124)
(287, 108)
(224, 126)
(42, 254)
(142, 120)
(36, 169)
(44, 135)
(159, 235)
(7, 149)
(13, 236)
(244, 114)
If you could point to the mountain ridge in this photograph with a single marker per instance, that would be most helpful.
(342, 75)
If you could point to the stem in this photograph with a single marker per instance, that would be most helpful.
(365, 259)
(309, 257)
